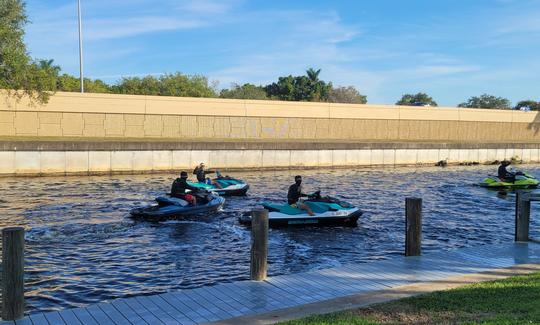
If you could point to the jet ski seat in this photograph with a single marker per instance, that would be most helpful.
(169, 200)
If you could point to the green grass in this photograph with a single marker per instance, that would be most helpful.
(515, 300)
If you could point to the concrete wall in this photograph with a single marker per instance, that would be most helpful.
(129, 161)
(77, 115)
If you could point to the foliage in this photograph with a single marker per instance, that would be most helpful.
(534, 106)
(300, 88)
(245, 91)
(67, 82)
(348, 95)
(487, 101)
(176, 84)
(419, 99)
(510, 301)
(19, 74)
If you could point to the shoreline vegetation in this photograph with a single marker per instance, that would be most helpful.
(515, 300)
(37, 79)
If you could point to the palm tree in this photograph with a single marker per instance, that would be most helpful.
(313, 75)
(49, 66)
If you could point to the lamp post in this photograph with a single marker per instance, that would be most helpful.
(80, 47)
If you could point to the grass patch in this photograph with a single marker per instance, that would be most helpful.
(515, 300)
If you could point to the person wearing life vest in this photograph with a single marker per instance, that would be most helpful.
(180, 187)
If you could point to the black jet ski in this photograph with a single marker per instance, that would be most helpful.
(328, 211)
(168, 207)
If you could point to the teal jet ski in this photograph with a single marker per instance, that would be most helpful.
(328, 211)
(522, 181)
(228, 186)
(169, 207)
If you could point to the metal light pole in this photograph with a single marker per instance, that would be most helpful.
(80, 47)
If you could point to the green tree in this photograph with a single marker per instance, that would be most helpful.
(487, 101)
(67, 82)
(245, 91)
(176, 84)
(300, 88)
(534, 106)
(19, 74)
(348, 95)
(419, 99)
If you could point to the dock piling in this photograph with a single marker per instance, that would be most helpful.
(413, 226)
(259, 244)
(523, 216)
(12, 273)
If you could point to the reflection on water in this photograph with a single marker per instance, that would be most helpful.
(82, 248)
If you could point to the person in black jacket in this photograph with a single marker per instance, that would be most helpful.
(504, 174)
(294, 195)
(201, 173)
(179, 187)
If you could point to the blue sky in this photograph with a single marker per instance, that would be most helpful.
(451, 49)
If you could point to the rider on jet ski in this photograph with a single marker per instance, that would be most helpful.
(294, 194)
(179, 187)
(504, 174)
(201, 175)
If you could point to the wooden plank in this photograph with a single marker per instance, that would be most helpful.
(22, 321)
(99, 315)
(212, 305)
(221, 301)
(127, 312)
(141, 310)
(169, 309)
(298, 290)
(69, 317)
(352, 281)
(113, 314)
(84, 316)
(156, 310)
(356, 281)
(196, 306)
(39, 319)
(53, 317)
(179, 305)
(237, 295)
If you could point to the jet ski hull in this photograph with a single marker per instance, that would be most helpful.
(341, 218)
(229, 187)
(523, 183)
(162, 212)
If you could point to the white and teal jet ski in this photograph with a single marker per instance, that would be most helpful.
(328, 211)
(229, 186)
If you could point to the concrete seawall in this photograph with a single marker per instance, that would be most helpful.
(103, 133)
(54, 158)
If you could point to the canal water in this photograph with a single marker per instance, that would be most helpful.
(83, 248)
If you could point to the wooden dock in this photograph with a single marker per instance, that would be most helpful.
(230, 300)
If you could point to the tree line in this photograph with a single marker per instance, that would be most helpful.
(22, 75)
(482, 101)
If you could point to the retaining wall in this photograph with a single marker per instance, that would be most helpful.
(103, 133)
(153, 117)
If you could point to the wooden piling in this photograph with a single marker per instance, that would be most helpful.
(259, 244)
(12, 273)
(523, 216)
(413, 226)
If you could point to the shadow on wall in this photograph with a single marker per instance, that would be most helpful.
(535, 124)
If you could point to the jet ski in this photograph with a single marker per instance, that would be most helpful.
(523, 180)
(229, 186)
(168, 207)
(328, 211)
